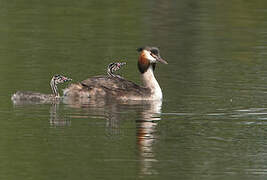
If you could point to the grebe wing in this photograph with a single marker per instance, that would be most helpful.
(115, 86)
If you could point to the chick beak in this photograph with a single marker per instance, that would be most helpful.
(67, 79)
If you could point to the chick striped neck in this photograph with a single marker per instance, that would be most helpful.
(54, 88)
(112, 67)
(110, 72)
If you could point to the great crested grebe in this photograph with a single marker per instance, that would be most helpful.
(115, 66)
(122, 89)
(39, 97)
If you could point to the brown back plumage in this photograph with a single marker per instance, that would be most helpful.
(106, 87)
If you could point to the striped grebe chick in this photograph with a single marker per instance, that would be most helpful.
(120, 88)
(115, 66)
(39, 97)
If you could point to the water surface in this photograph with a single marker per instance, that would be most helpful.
(210, 125)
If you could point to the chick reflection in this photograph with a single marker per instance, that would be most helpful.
(56, 119)
(146, 136)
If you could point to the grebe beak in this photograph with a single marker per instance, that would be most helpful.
(159, 59)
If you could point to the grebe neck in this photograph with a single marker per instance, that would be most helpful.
(54, 88)
(149, 81)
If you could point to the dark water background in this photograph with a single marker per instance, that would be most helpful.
(213, 120)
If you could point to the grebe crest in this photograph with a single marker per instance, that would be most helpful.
(115, 66)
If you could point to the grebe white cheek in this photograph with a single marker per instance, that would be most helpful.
(149, 57)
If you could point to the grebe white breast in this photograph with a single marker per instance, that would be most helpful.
(120, 88)
(39, 97)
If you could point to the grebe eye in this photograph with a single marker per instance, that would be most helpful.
(155, 51)
(153, 55)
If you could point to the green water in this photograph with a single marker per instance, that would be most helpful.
(210, 125)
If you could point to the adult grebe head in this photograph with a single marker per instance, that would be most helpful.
(149, 56)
